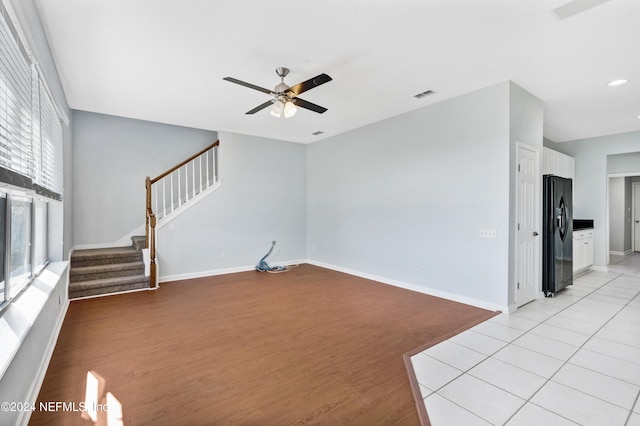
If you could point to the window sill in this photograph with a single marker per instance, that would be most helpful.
(17, 319)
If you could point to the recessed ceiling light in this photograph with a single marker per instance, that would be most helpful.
(618, 82)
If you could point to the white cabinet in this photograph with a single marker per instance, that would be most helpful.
(582, 249)
(557, 163)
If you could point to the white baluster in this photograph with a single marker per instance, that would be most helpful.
(179, 188)
(206, 160)
(215, 164)
(200, 174)
(157, 197)
(193, 175)
(164, 197)
(171, 197)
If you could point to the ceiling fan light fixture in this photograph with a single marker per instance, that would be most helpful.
(276, 109)
(289, 109)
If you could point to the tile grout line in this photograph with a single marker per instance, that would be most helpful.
(510, 343)
(580, 347)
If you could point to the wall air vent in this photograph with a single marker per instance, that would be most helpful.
(317, 133)
(424, 94)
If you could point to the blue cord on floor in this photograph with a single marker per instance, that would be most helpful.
(263, 266)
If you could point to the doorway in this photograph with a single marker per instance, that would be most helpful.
(623, 210)
(635, 214)
(528, 265)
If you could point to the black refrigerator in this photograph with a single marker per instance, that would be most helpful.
(557, 240)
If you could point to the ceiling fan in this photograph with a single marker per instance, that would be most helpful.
(285, 99)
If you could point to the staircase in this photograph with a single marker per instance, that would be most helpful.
(108, 270)
(102, 271)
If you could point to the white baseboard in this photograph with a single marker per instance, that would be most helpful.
(413, 287)
(599, 268)
(224, 271)
(621, 253)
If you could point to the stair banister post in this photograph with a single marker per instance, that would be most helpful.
(152, 252)
(147, 184)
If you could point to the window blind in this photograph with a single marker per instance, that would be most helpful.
(30, 129)
(51, 144)
(15, 105)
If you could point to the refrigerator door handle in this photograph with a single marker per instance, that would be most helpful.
(559, 222)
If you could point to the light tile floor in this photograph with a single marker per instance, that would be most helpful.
(571, 359)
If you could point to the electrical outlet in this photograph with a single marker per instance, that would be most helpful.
(488, 233)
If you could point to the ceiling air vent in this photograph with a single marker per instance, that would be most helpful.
(317, 133)
(423, 94)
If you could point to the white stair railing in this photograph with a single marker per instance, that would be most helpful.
(173, 189)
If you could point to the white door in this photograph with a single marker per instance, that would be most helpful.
(528, 222)
(636, 216)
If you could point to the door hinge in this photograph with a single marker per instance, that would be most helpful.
(518, 227)
(518, 167)
(518, 285)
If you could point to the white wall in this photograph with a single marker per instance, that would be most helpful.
(262, 198)
(33, 321)
(404, 198)
(112, 156)
(590, 190)
(525, 126)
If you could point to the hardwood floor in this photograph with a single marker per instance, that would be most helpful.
(310, 346)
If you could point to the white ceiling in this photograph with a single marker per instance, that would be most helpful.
(164, 60)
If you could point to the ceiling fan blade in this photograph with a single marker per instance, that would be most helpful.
(309, 84)
(575, 7)
(308, 105)
(260, 107)
(249, 85)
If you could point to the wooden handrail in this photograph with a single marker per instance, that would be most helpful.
(151, 219)
(176, 167)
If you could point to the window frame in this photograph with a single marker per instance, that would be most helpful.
(13, 290)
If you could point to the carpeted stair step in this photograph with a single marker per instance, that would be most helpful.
(139, 242)
(105, 256)
(108, 285)
(95, 272)
(113, 270)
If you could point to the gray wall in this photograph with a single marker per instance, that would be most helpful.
(112, 156)
(624, 163)
(263, 198)
(405, 198)
(591, 182)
